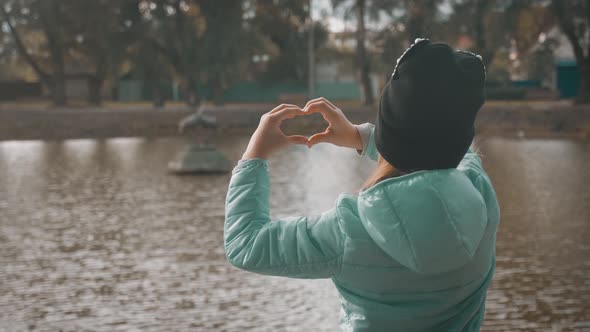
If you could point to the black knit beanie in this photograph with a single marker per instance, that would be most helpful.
(428, 107)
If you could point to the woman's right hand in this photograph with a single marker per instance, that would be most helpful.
(340, 131)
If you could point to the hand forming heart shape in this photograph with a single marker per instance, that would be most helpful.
(306, 124)
(268, 137)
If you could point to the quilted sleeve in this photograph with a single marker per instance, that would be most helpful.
(472, 161)
(298, 247)
(472, 167)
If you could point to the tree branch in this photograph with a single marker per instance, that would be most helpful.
(165, 51)
(55, 41)
(568, 29)
(21, 47)
(588, 22)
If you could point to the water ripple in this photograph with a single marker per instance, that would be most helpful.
(94, 236)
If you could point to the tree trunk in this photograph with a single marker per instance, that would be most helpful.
(115, 91)
(584, 90)
(157, 94)
(51, 20)
(58, 89)
(192, 95)
(95, 90)
(563, 14)
(216, 91)
(59, 84)
(480, 32)
(96, 81)
(115, 84)
(43, 76)
(415, 25)
(55, 81)
(361, 51)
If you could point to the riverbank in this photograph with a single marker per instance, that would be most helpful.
(39, 121)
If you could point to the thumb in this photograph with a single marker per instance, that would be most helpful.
(323, 137)
(297, 139)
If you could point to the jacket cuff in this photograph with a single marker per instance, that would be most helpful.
(364, 131)
(249, 163)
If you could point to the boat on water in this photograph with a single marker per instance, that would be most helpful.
(201, 157)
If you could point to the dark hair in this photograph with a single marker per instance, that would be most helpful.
(383, 171)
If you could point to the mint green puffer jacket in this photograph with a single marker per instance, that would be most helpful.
(411, 253)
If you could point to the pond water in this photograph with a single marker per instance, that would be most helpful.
(95, 236)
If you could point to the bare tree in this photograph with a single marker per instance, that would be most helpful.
(50, 20)
(482, 46)
(419, 18)
(361, 8)
(361, 52)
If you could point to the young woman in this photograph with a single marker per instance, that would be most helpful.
(415, 250)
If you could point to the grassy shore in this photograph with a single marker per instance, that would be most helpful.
(40, 120)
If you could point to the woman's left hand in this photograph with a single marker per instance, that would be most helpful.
(268, 137)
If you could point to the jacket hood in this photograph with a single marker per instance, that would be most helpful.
(429, 221)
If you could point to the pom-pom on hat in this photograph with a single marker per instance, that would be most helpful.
(428, 107)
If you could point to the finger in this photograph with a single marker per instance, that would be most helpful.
(329, 102)
(329, 114)
(280, 107)
(286, 113)
(320, 101)
(312, 101)
(320, 107)
(297, 139)
(323, 137)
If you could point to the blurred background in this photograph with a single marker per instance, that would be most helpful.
(262, 51)
(97, 234)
